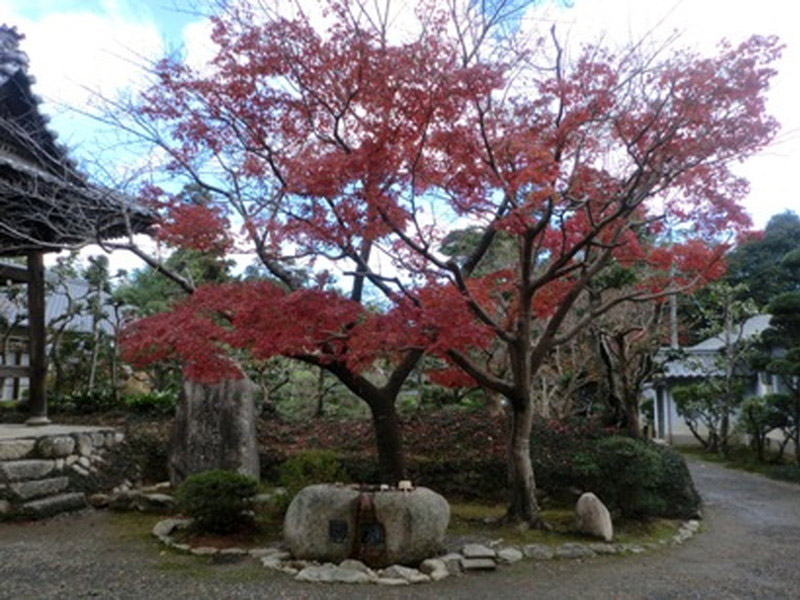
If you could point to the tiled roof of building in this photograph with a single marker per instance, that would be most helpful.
(702, 359)
(66, 303)
(45, 202)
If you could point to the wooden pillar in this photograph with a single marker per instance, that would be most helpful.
(38, 351)
(15, 390)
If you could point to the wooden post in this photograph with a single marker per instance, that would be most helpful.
(38, 354)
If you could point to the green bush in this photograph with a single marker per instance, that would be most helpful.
(308, 467)
(218, 501)
(85, 402)
(677, 490)
(637, 478)
(555, 445)
(157, 402)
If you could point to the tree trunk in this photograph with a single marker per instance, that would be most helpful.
(797, 428)
(630, 405)
(318, 412)
(388, 439)
(724, 432)
(522, 504)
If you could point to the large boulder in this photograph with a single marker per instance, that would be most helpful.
(214, 428)
(319, 523)
(415, 523)
(593, 518)
(333, 522)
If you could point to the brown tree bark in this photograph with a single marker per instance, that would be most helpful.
(388, 440)
(522, 504)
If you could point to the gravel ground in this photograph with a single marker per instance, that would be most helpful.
(748, 548)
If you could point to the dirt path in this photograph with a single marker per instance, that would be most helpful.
(750, 548)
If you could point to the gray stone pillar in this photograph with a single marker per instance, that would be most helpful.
(215, 428)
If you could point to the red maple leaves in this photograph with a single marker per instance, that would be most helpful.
(328, 143)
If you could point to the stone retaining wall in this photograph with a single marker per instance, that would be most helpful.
(47, 470)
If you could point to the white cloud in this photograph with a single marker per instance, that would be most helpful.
(76, 53)
(198, 45)
(701, 24)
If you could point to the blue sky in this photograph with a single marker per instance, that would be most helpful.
(169, 17)
(78, 47)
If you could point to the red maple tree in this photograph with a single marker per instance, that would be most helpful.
(360, 152)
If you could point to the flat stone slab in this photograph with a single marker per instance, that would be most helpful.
(19, 470)
(478, 564)
(27, 490)
(478, 551)
(53, 505)
(330, 573)
(17, 431)
(15, 449)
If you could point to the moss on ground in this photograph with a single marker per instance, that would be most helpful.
(481, 520)
(134, 525)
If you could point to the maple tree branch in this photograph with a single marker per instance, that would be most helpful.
(401, 372)
(483, 378)
(474, 305)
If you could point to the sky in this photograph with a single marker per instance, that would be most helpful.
(80, 47)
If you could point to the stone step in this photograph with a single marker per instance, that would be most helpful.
(27, 490)
(21, 470)
(53, 505)
(16, 449)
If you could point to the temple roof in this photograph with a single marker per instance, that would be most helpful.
(46, 203)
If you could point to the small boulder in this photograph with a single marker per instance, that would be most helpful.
(538, 551)
(166, 527)
(56, 447)
(478, 551)
(508, 556)
(435, 568)
(573, 550)
(452, 562)
(356, 565)
(401, 572)
(593, 518)
(602, 548)
(99, 500)
(155, 503)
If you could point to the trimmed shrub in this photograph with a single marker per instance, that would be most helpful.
(637, 479)
(676, 488)
(218, 501)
